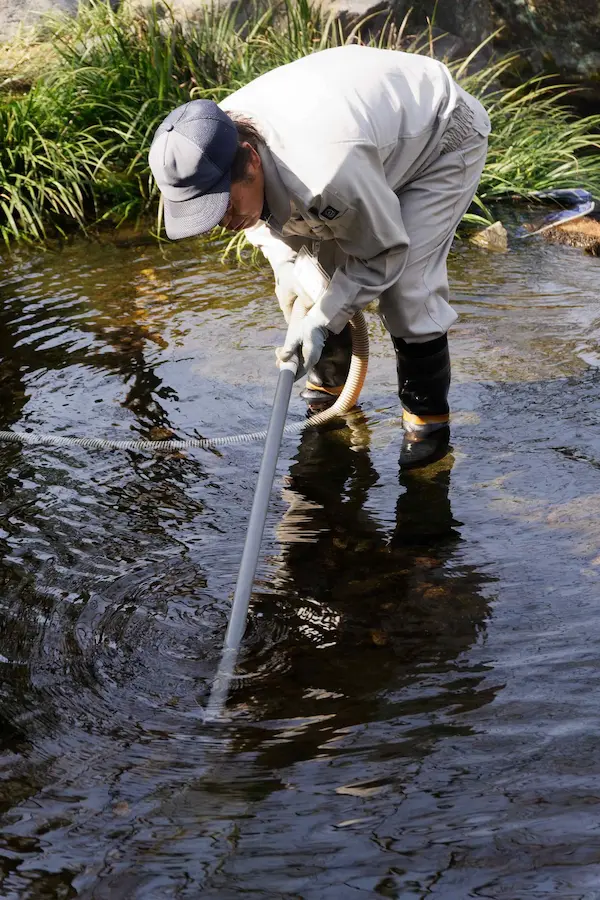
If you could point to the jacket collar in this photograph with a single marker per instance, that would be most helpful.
(277, 197)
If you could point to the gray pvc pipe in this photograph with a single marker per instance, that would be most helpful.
(256, 527)
(266, 474)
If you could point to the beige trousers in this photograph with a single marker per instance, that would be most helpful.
(417, 307)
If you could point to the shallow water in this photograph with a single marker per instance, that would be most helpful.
(416, 713)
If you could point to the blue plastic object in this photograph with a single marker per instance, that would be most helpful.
(580, 203)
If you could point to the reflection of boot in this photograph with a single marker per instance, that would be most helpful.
(423, 384)
(423, 512)
(326, 490)
(326, 380)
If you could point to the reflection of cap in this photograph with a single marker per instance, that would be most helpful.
(191, 157)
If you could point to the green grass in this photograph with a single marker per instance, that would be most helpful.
(74, 149)
(536, 142)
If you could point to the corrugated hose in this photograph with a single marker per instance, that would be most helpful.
(344, 403)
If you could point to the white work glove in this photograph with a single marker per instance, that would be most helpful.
(305, 338)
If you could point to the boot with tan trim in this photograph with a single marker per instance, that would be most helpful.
(325, 382)
(423, 385)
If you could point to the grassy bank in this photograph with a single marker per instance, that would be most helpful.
(74, 153)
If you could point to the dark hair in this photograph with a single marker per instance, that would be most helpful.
(247, 134)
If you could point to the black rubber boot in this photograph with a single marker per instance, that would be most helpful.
(423, 384)
(325, 381)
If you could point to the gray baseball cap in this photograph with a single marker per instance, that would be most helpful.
(191, 157)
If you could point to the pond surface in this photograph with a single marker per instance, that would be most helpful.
(418, 702)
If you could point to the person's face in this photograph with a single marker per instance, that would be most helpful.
(247, 196)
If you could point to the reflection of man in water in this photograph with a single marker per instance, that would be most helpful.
(368, 608)
(360, 686)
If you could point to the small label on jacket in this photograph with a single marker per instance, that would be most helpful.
(330, 212)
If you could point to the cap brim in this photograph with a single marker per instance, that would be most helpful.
(185, 218)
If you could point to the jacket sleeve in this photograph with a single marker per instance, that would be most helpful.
(368, 228)
(281, 254)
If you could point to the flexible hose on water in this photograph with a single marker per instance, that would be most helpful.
(344, 403)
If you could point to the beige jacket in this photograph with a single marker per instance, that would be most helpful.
(345, 129)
